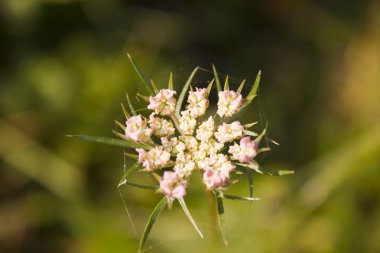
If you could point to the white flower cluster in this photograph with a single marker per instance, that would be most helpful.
(190, 143)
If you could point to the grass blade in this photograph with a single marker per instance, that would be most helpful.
(217, 81)
(184, 207)
(142, 76)
(221, 220)
(120, 125)
(183, 93)
(152, 219)
(111, 141)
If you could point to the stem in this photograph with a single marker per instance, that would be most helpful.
(212, 214)
(176, 122)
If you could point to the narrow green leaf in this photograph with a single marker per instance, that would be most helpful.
(267, 171)
(128, 171)
(111, 141)
(154, 86)
(221, 219)
(142, 76)
(226, 196)
(184, 207)
(183, 93)
(261, 135)
(171, 86)
(133, 156)
(253, 92)
(130, 104)
(145, 98)
(241, 86)
(226, 84)
(250, 124)
(250, 133)
(126, 114)
(209, 87)
(145, 187)
(217, 81)
(120, 125)
(152, 219)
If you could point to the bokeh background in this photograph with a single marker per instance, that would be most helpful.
(64, 70)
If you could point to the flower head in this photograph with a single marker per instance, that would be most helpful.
(197, 102)
(229, 132)
(137, 129)
(160, 126)
(244, 152)
(154, 159)
(229, 103)
(163, 103)
(172, 185)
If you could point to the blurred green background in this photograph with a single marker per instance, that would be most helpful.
(64, 70)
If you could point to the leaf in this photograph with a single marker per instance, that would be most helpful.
(111, 141)
(145, 187)
(183, 93)
(267, 171)
(141, 75)
(241, 86)
(123, 180)
(261, 135)
(133, 156)
(226, 196)
(226, 84)
(126, 114)
(184, 207)
(154, 86)
(250, 124)
(250, 133)
(253, 92)
(130, 104)
(120, 125)
(152, 219)
(221, 220)
(170, 87)
(209, 87)
(145, 98)
(217, 81)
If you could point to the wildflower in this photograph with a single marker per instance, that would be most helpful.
(172, 185)
(187, 123)
(206, 130)
(244, 152)
(197, 102)
(229, 103)
(154, 159)
(161, 127)
(137, 129)
(163, 103)
(229, 132)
